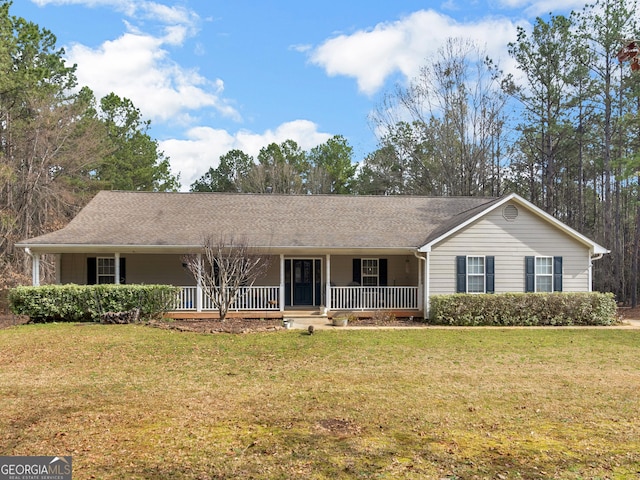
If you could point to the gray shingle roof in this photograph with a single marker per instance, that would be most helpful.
(325, 221)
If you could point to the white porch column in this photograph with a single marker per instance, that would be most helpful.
(199, 285)
(117, 261)
(282, 281)
(35, 269)
(328, 285)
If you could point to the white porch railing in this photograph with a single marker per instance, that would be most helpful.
(374, 298)
(248, 298)
(187, 298)
(342, 298)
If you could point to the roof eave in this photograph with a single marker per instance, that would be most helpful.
(128, 248)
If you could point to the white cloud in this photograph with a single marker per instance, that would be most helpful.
(541, 7)
(301, 48)
(135, 8)
(371, 56)
(136, 66)
(203, 147)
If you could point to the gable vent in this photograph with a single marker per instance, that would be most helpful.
(510, 212)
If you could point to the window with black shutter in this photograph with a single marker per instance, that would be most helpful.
(543, 274)
(475, 274)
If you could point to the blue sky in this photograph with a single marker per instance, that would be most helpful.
(213, 75)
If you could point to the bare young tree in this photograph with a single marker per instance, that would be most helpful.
(447, 125)
(226, 266)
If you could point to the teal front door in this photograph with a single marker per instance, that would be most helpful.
(303, 282)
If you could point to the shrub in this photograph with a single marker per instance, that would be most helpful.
(524, 309)
(77, 303)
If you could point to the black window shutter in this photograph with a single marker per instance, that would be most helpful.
(461, 274)
(382, 273)
(216, 273)
(489, 271)
(530, 274)
(357, 271)
(92, 271)
(557, 274)
(123, 270)
(287, 282)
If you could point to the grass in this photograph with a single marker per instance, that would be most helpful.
(140, 403)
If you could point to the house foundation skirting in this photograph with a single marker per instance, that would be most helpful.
(271, 314)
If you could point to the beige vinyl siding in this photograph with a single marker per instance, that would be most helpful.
(148, 268)
(402, 270)
(73, 268)
(341, 270)
(158, 269)
(140, 268)
(509, 242)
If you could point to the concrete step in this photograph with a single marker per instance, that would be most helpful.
(302, 323)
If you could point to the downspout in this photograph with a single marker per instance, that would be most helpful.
(591, 260)
(425, 284)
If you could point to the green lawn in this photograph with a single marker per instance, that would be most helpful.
(133, 402)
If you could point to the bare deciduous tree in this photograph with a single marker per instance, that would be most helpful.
(447, 125)
(225, 267)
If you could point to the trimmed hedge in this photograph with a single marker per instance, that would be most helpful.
(86, 303)
(524, 309)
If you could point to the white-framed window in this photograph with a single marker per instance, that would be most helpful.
(544, 274)
(475, 275)
(370, 272)
(106, 270)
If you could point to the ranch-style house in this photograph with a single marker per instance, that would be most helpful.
(330, 252)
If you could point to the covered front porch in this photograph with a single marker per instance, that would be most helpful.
(324, 284)
(308, 280)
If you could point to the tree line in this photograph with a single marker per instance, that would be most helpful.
(59, 145)
(284, 168)
(562, 130)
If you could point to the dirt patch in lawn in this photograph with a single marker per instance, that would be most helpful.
(10, 320)
(229, 325)
(384, 321)
(247, 325)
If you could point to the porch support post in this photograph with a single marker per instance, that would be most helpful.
(281, 291)
(199, 285)
(117, 257)
(328, 284)
(35, 269)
